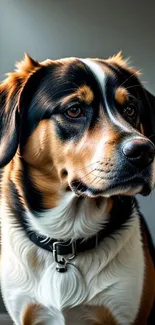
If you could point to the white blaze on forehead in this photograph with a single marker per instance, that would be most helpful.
(101, 77)
(98, 72)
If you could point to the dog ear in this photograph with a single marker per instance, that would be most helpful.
(8, 125)
(148, 115)
(11, 90)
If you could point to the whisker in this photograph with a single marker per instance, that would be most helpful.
(133, 86)
(81, 179)
(88, 173)
(94, 179)
(133, 97)
(152, 135)
(43, 174)
(84, 178)
(99, 179)
(74, 171)
(134, 73)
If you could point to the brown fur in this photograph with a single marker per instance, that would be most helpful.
(148, 296)
(121, 95)
(47, 157)
(119, 60)
(103, 316)
(42, 150)
(46, 163)
(83, 93)
(15, 80)
(42, 170)
(43, 154)
(30, 315)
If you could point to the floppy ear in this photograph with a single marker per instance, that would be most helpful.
(10, 111)
(9, 120)
(148, 115)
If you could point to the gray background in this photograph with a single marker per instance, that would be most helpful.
(83, 28)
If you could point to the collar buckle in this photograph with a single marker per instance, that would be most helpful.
(73, 254)
(62, 262)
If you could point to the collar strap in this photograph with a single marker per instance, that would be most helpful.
(60, 249)
(120, 214)
(63, 248)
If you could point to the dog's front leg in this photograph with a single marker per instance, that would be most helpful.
(31, 315)
(35, 314)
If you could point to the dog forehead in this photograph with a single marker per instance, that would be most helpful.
(83, 76)
(92, 81)
(92, 70)
(98, 71)
(99, 75)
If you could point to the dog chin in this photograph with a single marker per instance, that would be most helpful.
(128, 191)
(82, 190)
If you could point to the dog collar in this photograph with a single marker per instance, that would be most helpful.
(64, 251)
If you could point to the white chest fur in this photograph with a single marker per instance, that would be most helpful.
(110, 276)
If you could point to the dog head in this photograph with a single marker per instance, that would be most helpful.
(83, 124)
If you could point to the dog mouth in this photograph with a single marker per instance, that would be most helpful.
(127, 187)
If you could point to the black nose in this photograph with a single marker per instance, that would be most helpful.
(140, 152)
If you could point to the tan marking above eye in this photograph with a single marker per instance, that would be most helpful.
(121, 95)
(83, 93)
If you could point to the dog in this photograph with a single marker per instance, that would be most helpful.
(76, 146)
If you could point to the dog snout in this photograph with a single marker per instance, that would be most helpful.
(140, 152)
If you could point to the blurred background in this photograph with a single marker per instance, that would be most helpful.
(82, 28)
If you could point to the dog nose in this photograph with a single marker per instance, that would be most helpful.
(140, 152)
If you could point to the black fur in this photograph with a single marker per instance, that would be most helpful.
(17, 122)
(40, 99)
(122, 211)
(151, 248)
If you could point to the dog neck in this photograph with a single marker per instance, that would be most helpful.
(71, 217)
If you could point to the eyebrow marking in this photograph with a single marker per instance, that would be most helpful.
(101, 77)
(83, 93)
(121, 95)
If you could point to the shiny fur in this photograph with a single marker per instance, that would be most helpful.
(60, 179)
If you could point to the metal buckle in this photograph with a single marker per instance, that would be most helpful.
(62, 262)
(72, 256)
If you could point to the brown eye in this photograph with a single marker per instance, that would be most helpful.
(130, 111)
(74, 112)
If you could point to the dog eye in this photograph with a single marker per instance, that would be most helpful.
(74, 112)
(130, 111)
